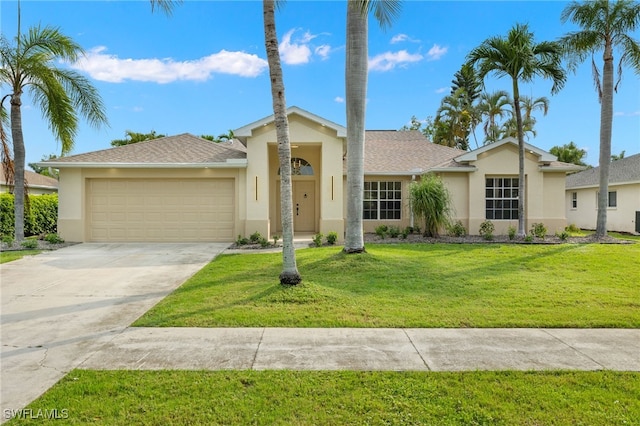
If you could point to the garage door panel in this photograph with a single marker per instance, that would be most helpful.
(161, 209)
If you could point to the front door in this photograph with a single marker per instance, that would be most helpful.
(304, 207)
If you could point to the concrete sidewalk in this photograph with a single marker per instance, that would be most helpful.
(369, 349)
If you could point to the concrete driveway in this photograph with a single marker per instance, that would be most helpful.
(59, 307)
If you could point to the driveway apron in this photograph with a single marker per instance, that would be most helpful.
(61, 306)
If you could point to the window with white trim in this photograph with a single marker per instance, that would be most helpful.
(382, 201)
(501, 198)
(612, 199)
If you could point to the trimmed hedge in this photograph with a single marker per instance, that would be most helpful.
(41, 218)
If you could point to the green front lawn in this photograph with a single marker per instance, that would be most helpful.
(9, 256)
(416, 285)
(342, 398)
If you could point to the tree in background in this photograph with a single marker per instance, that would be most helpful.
(493, 106)
(30, 64)
(356, 70)
(431, 202)
(615, 157)
(569, 153)
(46, 171)
(135, 137)
(518, 57)
(605, 26)
(459, 117)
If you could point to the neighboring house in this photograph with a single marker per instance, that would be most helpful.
(623, 212)
(37, 184)
(184, 188)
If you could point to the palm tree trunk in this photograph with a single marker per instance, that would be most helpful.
(606, 119)
(18, 161)
(289, 274)
(356, 93)
(521, 187)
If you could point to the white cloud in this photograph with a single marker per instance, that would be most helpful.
(627, 114)
(389, 60)
(104, 67)
(399, 38)
(442, 89)
(339, 99)
(323, 51)
(294, 53)
(436, 52)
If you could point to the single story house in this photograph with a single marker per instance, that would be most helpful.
(184, 188)
(37, 184)
(623, 211)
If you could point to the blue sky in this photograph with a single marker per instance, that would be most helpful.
(203, 70)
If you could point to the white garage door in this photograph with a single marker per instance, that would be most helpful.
(160, 210)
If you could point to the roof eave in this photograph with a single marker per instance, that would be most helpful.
(561, 169)
(235, 163)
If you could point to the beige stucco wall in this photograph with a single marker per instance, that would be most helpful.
(620, 218)
(72, 225)
(317, 144)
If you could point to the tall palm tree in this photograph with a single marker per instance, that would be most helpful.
(529, 105)
(493, 106)
(356, 93)
(289, 274)
(517, 56)
(31, 64)
(606, 26)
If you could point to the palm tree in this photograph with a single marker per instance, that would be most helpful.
(289, 274)
(517, 56)
(606, 26)
(493, 106)
(460, 116)
(356, 93)
(30, 64)
(529, 105)
(467, 80)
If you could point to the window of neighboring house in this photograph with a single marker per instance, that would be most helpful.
(574, 200)
(612, 199)
(501, 198)
(382, 200)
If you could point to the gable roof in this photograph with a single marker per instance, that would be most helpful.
(246, 131)
(473, 155)
(185, 150)
(33, 180)
(397, 152)
(625, 170)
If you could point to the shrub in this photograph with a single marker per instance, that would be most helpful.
(264, 242)
(430, 201)
(255, 237)
(242, 241)
(486, 230)
(381, 231)
(538, 230)
(528, 238)
(30, 244)
(275, 239)
(41, 217)
(511, 232)
(317, 239)
(572, 228)
(405, 232)
(53, 239)
(394, 231)
(332, 237)
(457, 230)
(7, 239)
(562, 235)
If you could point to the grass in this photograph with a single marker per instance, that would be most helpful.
(343, 397)
(416, 285)
(9, 256)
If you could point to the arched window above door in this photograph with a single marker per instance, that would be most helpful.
(300, 167)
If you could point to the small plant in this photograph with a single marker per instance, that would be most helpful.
(511, 232)
(381, 231)
(394, 231)
(332, 237)
(275, 239)
(255, 237)
(264, 243)
(53, 239)
(562, 235)
(242, 241)
(528, 238)
(538, 230)
(7, 239)
(572, 228)
(405, 232)
(457, 230)
(30, 244)
(486, 230)
(317, 239)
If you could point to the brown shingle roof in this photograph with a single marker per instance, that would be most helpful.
(624, 170)
(33, 180)
(180, 149)
(403, 152)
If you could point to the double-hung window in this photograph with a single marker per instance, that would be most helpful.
(382, 200)
(501, 198)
